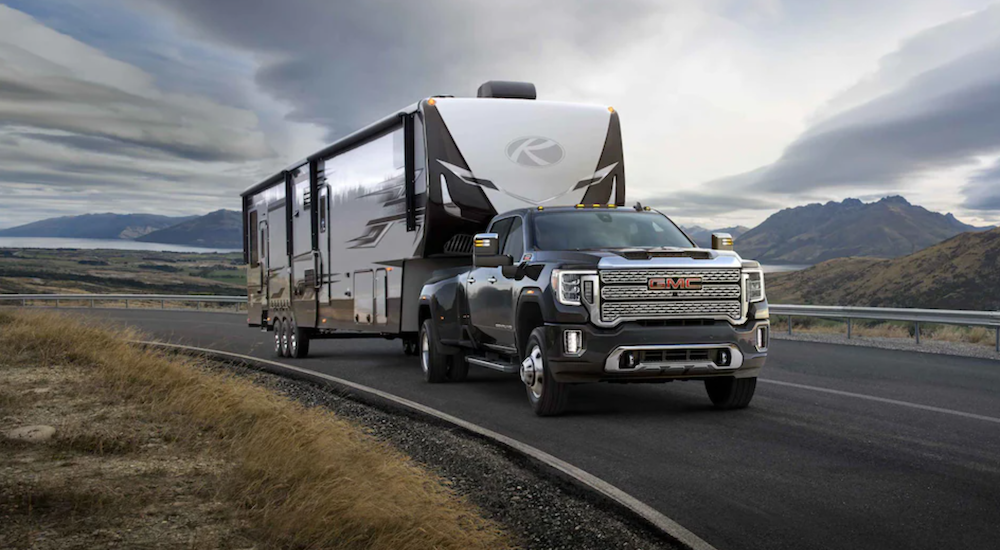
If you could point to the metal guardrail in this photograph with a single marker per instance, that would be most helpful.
(909, 315)
(97, 298)
(846, 313)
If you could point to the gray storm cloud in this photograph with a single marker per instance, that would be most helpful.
(81, 129)
(343, 64)
(982, 192)
(929, 107)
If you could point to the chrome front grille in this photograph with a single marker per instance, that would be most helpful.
(625, 295)
(636, 292)
(611, 311)
(640, 276)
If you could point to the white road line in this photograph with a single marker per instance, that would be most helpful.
(884, 400)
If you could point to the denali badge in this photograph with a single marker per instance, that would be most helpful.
(675, 283)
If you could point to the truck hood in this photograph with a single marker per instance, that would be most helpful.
(645, 258)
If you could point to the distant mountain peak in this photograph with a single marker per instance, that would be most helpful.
(895, 199)
(95, 226)
(887, 228)
(219, 229)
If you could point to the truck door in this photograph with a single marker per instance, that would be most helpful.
(514, 247)
(486, 300)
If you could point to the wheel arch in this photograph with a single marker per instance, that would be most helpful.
(529, 317)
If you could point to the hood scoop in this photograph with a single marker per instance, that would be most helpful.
(646, 254)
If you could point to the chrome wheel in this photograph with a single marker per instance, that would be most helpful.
(278, 331)
(425, 351)
(533, 372)
(284, 339)
(293, 341)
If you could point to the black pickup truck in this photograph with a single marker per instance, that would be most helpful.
(597, 293)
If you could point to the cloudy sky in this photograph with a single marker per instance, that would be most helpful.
(731, 109)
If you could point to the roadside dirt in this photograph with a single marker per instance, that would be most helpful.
(110, 476)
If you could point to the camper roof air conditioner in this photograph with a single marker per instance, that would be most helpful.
(507, 89)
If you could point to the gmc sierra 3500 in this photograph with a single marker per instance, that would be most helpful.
(594, 293)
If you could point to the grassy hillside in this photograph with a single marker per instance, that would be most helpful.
(47, 271)
(960, 273)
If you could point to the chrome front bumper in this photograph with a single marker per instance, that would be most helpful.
(685, 366)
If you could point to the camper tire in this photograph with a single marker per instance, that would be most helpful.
(279, 338)
(298, 340)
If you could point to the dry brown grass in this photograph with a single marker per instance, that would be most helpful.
(305, 478)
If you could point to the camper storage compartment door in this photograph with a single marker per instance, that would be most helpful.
(364, 297)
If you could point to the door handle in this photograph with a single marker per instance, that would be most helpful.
(492, 280)
(472, 280)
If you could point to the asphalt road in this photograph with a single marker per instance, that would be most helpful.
(843, 447)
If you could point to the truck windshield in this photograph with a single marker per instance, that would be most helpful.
(605, 229)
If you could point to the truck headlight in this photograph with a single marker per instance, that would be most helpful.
(568, 285)
(755, 285)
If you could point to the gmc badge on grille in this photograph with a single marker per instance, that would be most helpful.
(675, 283)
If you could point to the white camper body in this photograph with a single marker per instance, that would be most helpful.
(343, 241)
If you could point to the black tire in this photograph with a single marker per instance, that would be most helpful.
(433, 363)
(730, 393)
(298, 340)
(279, 333)
(546, 396)
(410, 346)
(458, 370)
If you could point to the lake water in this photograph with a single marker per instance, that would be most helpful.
(93, 244)
(784, 268)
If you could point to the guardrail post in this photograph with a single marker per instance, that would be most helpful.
(91, 303)
(848, 328)
(24, 303)
(789, 325)
(126, 304)
(198, 305)
(163, 304)
(916, 331)
(57, 303)
(998, 339)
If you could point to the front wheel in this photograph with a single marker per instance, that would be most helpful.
(546, 396)
(731, 393)
(433, 363)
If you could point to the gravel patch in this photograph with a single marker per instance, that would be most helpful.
(540, 511)
(925, 346)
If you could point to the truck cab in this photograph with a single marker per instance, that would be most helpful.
(597, 293)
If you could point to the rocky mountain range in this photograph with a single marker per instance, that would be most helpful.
(96, 226)
(219, 229)
(814, 233)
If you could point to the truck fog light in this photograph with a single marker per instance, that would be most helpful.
(761, 338)
(725, 357)
(573, 342)
(626, 361)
